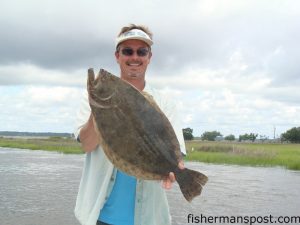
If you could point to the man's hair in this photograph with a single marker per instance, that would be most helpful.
(133, 26)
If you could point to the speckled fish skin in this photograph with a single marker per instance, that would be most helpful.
(135, 134)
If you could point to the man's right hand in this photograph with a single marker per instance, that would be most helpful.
(88, 136)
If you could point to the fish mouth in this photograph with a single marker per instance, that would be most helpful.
(91, 74)
(95, 85)
(90, 80)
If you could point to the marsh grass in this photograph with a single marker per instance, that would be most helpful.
(254, 154)
(58, 144)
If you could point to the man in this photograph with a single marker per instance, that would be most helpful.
(107, 195)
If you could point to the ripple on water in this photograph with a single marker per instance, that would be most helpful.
(39, 187)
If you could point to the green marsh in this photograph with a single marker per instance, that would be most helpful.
(251, 154)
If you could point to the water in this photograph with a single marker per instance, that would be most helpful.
(241, 191)
(39, 188)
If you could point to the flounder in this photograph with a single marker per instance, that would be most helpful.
(135, 134)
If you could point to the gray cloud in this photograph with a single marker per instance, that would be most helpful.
(246, 49)
(203, 33)
(53, 51)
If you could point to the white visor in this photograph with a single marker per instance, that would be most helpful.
(134, 34)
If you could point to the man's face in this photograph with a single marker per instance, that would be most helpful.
(133, 57)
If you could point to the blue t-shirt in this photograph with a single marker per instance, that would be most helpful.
(119, 207)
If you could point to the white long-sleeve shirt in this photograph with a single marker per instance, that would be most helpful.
(151, 206)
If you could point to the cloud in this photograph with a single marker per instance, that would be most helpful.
(230, 65)
(39, 108)
(28, 74)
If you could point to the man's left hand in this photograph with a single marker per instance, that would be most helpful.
(167, 183)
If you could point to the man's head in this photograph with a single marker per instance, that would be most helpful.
(133, 52)
(138, 32)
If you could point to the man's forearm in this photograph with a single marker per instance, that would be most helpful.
(88, 136)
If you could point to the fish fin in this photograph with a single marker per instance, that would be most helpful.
(190, 182)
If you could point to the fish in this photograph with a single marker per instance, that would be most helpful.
(136, 136)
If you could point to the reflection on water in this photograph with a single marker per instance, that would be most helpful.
(39, 188)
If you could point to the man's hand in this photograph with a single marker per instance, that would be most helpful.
(167, 183)
(88, 136)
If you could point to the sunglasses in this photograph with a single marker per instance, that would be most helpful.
(140, 52)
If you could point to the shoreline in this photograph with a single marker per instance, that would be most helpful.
(231, 153)
(56, 144)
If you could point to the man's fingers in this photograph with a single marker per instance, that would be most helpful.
(181, 165)
(172, 177)
(167, 183)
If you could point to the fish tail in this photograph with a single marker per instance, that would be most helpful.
(190, 182)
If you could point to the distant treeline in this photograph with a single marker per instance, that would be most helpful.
(34, 134)
(291, 136)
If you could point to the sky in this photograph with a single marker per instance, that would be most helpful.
(231, 65)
